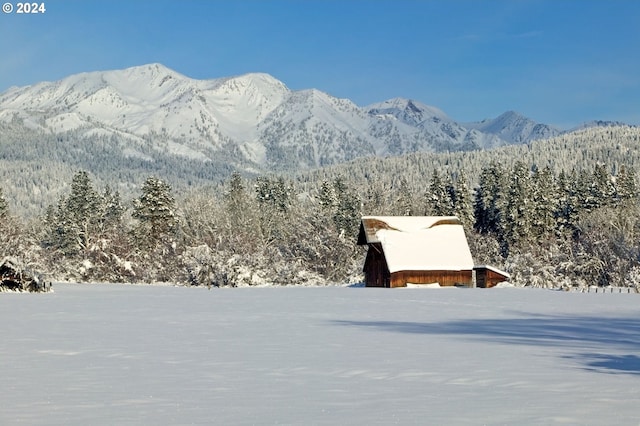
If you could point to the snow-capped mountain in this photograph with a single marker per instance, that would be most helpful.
(252, 121)
(515, 128)
(433, 125)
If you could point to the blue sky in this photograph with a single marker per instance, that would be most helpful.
(560, 62)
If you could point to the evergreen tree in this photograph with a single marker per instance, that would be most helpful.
(404, 202)
(74, 222)
(275, 194)
(437, 199)
(112, 209)
(4, 208)
(462, 202)
(518, 209)
(566, 214)
(374, 203)
(602, 189)
(346, 215)
(583, 183)
(237, 202)
(82, 208)
(327, 196)
(156, 212)
(488, 201)
(545, 201)
(625, 185)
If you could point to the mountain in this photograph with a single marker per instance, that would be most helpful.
(249, 122)
(514, 128)
(433, 125)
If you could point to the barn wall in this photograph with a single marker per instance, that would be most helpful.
(444, 278)
(494, 278)
(481, 278)
(486, 278)
(376, 272)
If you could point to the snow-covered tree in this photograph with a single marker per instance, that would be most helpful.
(438, 200)
(488, 202)
(625, 185)
(4, 208)
(74, 222)
(602, 189)
(567, 209)
(274, 194)
(347, 213)
(518, 212)
(545, 202)
(462, 201)
(155, 211)
(404, 202)
(327, 195)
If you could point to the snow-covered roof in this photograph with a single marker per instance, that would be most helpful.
(496, 270)
(370, 225)
(418, 243)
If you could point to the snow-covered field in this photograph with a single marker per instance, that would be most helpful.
(131, 355)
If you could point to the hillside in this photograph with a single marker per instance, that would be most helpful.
(252, 120)
(125, 125)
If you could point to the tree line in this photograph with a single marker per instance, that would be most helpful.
(545, 228)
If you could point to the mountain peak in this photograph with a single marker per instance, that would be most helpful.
(408, 111)
(514, 127)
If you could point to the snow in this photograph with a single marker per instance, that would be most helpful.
(131, 355)
(253, 111)
(443, 247)
(408, 110)
(417, 243)
(514, 128)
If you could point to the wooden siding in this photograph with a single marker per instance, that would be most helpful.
(376, 272)
(444, 278)
(486, 278)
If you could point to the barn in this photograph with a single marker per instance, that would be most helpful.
(406, 250)
(415, 250)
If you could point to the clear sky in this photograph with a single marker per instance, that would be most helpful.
(560, 62)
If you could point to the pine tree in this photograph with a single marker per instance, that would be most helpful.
(437, 199)
(275, 194)
(518, 209)
(346, 215)
(4, 208)
(566, 214)
(488, 201)
(404, 202)
(327, 196)
(82, 208)
(156, 212)
(462, 203)
(545, 203)
(112, 209)
(74, 222)
(625, 185)
(602, 189)
(236, 196)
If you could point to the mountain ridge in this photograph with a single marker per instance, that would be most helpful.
(253, 120)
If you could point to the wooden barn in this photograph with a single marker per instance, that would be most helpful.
(420, 250)
(415, 250)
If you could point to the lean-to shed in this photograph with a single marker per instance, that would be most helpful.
(416, 250)
(488, 276)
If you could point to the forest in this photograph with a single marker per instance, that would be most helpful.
(558, 213)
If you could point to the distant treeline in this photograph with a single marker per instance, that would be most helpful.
(562, 212)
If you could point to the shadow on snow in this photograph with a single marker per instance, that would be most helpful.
(597, 335)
